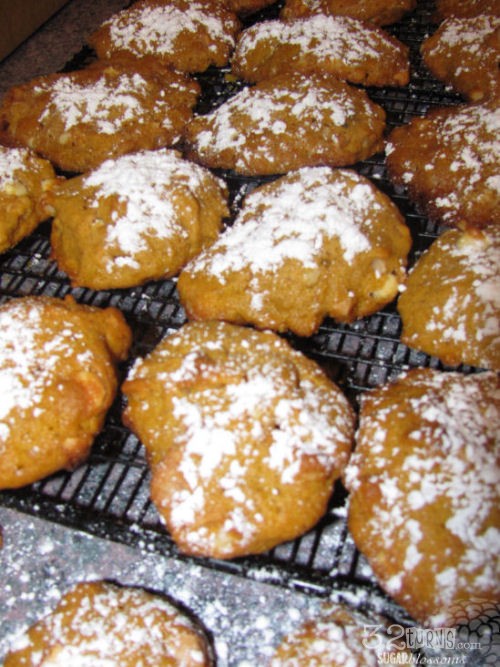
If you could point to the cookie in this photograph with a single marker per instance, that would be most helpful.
(245, 437)
(448, 163)
(424, 491)
(288, 122)
(342, 46)
(463, 53)
(79, 119)
(338, 636)
(137, 218)
(189, 36)
(314, 243)
(103, 623)
(465, 8)
(451, 306)
(58, 374)
(379, 12)
(24, 177)
(245, 7)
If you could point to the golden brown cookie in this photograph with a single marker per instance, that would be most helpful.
(137, 218)
(338, 636)
(79, 119)
(245, 437)
(379, 12)
(465, 8)
(245, 7)
(187, 35)
(464, 53)
(102, 623)
(424, 484)
(448, 161)
(451, 306)
(288, 122)
(315, 243)
(58, 378)
(342, 46)
(24, 178)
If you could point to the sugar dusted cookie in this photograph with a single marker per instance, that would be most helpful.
(79, 119)
(101, 623)
(24, 177)
(337, 636)
(379, 12)
(245, 437)
(424, 484)
(451, 306)
(318, 242)
(466, 8)
(137, 218)
(58, 378)
(346, 48)
(448, 160)
(288, 122)
(464, 54)
(187, 35)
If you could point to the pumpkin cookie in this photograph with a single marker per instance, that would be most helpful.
(424, 484)
(59, 378)
(378, 12)
(24, 178)
(451, 305)
(315, 243)
(344, 47)
(245, 437)
(102, 623)
(448, 162)
(79, 119)
(187, 35)
(288, 122)
(464, 53)
(137, 218)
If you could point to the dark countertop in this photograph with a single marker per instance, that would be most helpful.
(52, 45)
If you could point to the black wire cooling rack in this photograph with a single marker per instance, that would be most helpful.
(109, 494)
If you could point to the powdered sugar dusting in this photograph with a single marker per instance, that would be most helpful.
(468, 139)
(447, 464)
(468, 33)
(24, 368)
(108, 106)
(293, 224)
(155, 29)
(11, 160)
(465, 309)
(242, 123)
(141, 183)
(241, 411)
(324, 37)
(113, 621)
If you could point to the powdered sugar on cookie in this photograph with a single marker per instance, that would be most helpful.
(446, 466)
(141, 183)
(24, 368)
(448, 160)
(293, 224)
(108, 106)
(348, 48)
(155, 29)
(12, 160)
(249, 427)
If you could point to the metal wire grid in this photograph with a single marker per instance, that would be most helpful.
(109, 494)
